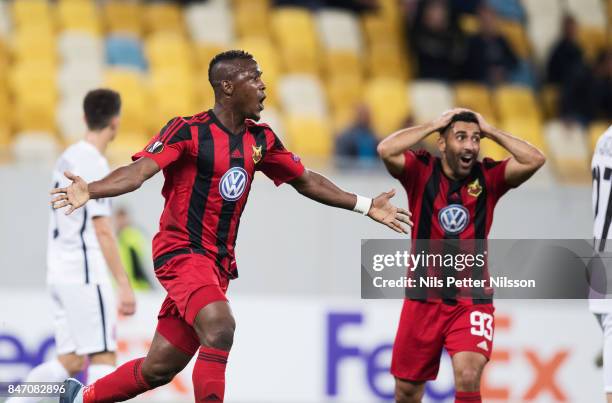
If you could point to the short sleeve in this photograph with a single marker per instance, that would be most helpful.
(92, 171)
(99, 207)
(495, 176)
(414, 161)
(278, 163)
(169, 144)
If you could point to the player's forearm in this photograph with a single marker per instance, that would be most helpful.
(122, 180)
(400, 141)
(108, 245)
(318, 188)
(521, 150)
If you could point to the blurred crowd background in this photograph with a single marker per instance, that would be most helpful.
(340, 74)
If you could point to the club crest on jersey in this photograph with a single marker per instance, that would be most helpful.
(474, 189)
(256, 154)
(454, 219)
(156, 147)
(233, 183)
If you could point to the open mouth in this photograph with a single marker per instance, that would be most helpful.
(261, 101)
(466, 160)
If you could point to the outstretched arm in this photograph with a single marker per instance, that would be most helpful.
(317, 187)
(525, 160)
(122, 180)
(392, 148)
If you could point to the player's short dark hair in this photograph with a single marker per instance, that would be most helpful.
(100, 106)
(461, 117)
(234, 54)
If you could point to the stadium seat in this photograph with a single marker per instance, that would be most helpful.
(476, 97)
(386, 60)
(539, 8)
(210, 23)
(596, 129)
(134, 102)
(272, 117)
(35, 147)
(530, 131)
(35, 44)
(378, 30)
(70, 119)
(515, 34)
(308, 136)
(76, 78)
(339, 30)
(251, 18)
(543, 33)
(509, 9)
(79, 16)
(125, 51)
(302, 95)
(344, 92)
(549, 96)
(30, 12)
(123, 17)
(429, 99)
(169, 49)
(516, 102)
(338, 63)
(205, 97)
(589, 13)
(263, 51)
(205, 52)
(389, 105)
(294, 32)
(34, 90)
(569, 151)
(163, 17)
(492, 150)
(5, 20)
(163, 83)
(6, 113)
(74, 47)
(592, 41)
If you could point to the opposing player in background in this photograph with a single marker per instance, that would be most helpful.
(80, 252)
(208, 161)
(451, 197)
(601, 168)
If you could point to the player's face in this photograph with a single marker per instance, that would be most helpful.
(249, 91)
(460, 147)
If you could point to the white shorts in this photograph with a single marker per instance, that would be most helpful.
(605, 321)
(85, 318)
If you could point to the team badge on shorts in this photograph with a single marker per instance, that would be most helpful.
(454, 218)
(474, 189)
(156, 147)
(256, 154)
(233, 183)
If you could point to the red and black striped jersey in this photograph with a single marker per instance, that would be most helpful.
(208, 173)
(443, 208)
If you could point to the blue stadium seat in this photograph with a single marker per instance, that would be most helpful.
(125, 51)
(509, 9)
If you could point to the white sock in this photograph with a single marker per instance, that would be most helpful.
(97, 371)
(51, 371)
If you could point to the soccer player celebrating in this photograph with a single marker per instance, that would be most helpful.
(451, 197)
(81, 250)
(208, 161)
(601, 169)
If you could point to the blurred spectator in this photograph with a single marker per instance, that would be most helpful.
(489, 57)
(132, 248)
(602, 86)
(566, 56)
(434, 41)
(358, 142)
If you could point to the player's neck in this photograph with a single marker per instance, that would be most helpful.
(229, 119)
(448, 172)
(97, 139)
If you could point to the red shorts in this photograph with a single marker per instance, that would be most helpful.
(425, 328)
(192, 282)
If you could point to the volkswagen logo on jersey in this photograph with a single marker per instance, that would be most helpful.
(454, 218)
(233, 183)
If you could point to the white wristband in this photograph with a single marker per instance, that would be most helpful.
(363, 205)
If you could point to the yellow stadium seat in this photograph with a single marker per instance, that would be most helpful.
(164, 106)
(527, 130)
(569, 154)
(205, 97)
(475, 97)
(251, 19)
(308, 137)
(378, 29)
(122, 16)
(596, 129)
(34, 80)
(6, 115)
(160, 17)
(135, 105)
(264, 53)
(294, 32)
(342, 63)
(386, 60)
(169, 49)
(549, 96)
(30, 11)
(515, 34)
(35, 45)
(516, 102)
(78, 16)
(204, 54)
(468, 23)
(592, 41)
(492, 150)
(344, 91)
(126, 144)
(389, 105)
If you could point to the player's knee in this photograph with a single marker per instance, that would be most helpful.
(467, 379)
(73, 363)
(220, 335)
(408, 393)
(158, 374)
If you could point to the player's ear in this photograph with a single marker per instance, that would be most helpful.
(442, 142)
(227, 87)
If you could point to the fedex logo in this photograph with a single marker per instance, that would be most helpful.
(369, 356)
